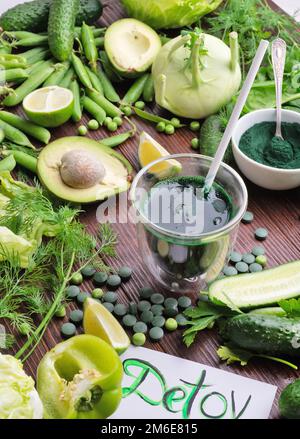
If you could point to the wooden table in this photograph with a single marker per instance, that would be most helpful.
(279, 212)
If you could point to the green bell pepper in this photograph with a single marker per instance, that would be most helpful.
(80, 379)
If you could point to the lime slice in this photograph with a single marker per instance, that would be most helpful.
(150, 150)
(49, 106)
(99, 321)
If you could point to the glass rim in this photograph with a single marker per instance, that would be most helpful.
(229, 226)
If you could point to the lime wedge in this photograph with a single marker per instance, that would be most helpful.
(150, 150)
(49, 106)
(99, 321)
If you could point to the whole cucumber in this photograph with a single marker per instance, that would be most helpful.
(289, 401)
(61, 26)
(33, 16)
(264, 334)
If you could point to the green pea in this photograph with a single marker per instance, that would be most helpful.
(82, 130)
(140, 327)
(110, 297)
(160, 127)
(140, 105)
(242, 267)
(82, 296)
(68, 330)
(261, 233)
(125, 273)
(126, 110)
(60, 312)
(170, 129)
(100, 279)
(114, 281)
(175, 122)
(72, 291)
(93, 124)
(195, 125)
(147, 316)
(254, 268)
(112, 126)
(76, 279)
(157, 298)
(195, 143)
(184, 302)
(158, 321)
(248, 217)
(258, 251)
(97, 293)
(120, 310)
(109, 306)
(129, 320)
(229, 271)
(138, 339)
(235, 257)
(249, 258)
(76, 316)
(118, 120)
(156, 333)
(171, 325)
(261, 260)
(146, 292)
(88, 271)
(144, 305)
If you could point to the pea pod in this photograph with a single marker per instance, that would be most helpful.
(108, 89)
(15, 135)
(27, 161)
(27, 127)
(118, 139)
(99, 42)
(8, 164)
(80, 71)
(77, 111)
(11, 64)
(12, 75)
(57, 76)
(96, 83)
(38, 40)
(97, 31)
(34, 67)
(2, 135)
(91, 107)
(32, 83)
(66, 81)
(148, 91)
(110, 72)
(109, 108)
(20, 35)
(154, 118)
(136, 90)
(35, 55)
(89, 46)
(5, 48)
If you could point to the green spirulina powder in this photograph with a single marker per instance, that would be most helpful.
(260, 144)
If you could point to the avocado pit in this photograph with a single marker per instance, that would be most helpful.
(80, 169)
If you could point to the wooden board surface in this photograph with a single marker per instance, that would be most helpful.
(277, 211)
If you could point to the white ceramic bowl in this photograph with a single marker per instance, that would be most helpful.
(262, 175)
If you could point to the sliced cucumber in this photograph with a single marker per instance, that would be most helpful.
(269, 311)
(265, 288)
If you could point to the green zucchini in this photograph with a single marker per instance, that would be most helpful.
(61, 26)
(33, 16)
(261, 289)
(263, 334)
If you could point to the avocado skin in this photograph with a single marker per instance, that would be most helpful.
(289, 401)
(264, 334)
(33, 16)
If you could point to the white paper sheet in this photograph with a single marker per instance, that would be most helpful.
(160, 386)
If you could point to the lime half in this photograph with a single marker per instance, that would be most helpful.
(49, 106)
(99, 321)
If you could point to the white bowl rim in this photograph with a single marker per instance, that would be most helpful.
(247, 158)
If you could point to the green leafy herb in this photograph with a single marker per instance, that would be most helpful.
(291, 307)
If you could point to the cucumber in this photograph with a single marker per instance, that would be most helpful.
(33, 16)
(211, 133)
(61, 27)
(289, 401)
(263, 334)
(261, 289)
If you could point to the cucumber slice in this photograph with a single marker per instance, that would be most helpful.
(258, 289)
(269, 311)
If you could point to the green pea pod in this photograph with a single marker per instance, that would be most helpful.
(8, 164)
(35, 55)
(77, 111)
(99, 42)
(97, 85)
(80, 71)
(154, 118)
(2, 135)
(38, 40)
(27, 127)
(15, 135)
(58, 75)
(136, 90)
(66, 81)
(20, 35)
(5, 48)
(25, 160)
(108, 89)
(91, 107)
(12, 75)
(109, 108)
(89, 46)
(34, 67)
(11, 64)
(32, 83)
(117, 140)
(148, 92)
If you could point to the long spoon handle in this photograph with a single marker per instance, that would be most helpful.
(278, 61)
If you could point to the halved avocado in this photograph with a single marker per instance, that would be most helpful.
(116, 179)
(131, 46)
